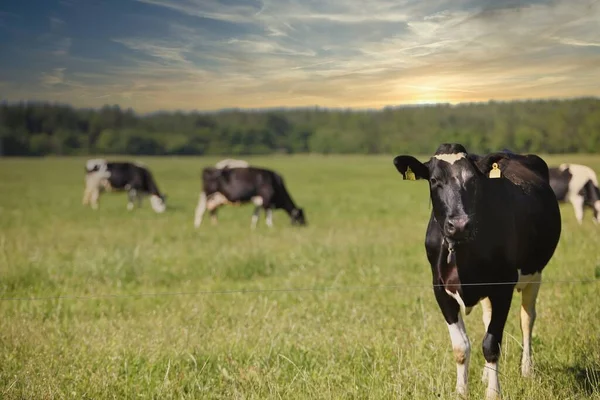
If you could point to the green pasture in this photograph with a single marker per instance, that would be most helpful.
(112, 304)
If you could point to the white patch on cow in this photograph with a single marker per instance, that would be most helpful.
(130, 206)
(257, 201)
(94, 182)
(96, 163)
(158, 205)
(461, 347)
(450, 158)
(231, 163)
(216, 200)
(493, 387)
(580, 175)
(269, 217)
(525, 280)
(583, 172)
(464, 309)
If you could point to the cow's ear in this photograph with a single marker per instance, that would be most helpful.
(410, 168)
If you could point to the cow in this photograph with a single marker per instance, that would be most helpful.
(133, 178)
(494, 226)
(262, 187)
(578, 185)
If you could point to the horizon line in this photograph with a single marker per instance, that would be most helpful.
(9, 103)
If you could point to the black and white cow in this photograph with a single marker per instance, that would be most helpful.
(578, 185)
(133, 178)
(487, 235)
(262, 187)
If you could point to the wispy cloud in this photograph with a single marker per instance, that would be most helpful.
(54, 77)
(214, 54)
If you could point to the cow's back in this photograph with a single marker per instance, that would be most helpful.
(527, 210)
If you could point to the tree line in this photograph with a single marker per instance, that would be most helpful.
(540, 126)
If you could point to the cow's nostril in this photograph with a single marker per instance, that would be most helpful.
(450, 227)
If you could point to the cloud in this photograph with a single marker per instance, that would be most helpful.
(219, 54)
(56, 23)
(55, 77)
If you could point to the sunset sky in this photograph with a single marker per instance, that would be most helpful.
(208, 54)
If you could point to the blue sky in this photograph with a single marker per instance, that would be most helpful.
(212, 54)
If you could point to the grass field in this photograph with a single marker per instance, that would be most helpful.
(376, 333)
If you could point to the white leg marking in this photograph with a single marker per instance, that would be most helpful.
(528, 314)
(200, 210)
(597, 208)
(486, 308)
(254, 218)
(493, 388)
(269, 218)
(462, 352)
(577, 202)
(94, 198)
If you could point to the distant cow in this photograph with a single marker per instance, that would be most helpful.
(494, 226)
(134, 178)
(578, 185)
(262, 187)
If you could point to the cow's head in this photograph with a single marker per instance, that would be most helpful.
(158, 203)
(455, 182)
(297, 216)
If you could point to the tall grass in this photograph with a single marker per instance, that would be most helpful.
(155, 309)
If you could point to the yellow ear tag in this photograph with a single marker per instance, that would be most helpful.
(495, 172)
(409, 175)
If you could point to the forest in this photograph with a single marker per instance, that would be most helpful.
(541, 126)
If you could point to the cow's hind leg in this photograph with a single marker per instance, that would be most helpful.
(255, 216)
(528, 314)
(269, 217)
(492, 340)
(200, 209)
(461, 347)
(486, 316)
(258, 202)
(577, 201)
(94, 196)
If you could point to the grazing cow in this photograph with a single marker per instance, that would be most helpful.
(133, 178)
(577, 184)
(494, 226)
(262, 187)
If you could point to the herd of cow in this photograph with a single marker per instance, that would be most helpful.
(494, 226)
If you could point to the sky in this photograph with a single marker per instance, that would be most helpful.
(212, 54)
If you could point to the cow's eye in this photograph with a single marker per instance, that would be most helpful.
(433, 181)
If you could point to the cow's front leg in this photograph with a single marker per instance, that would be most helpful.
(492, 341)
(461, 347)
(132, 197)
